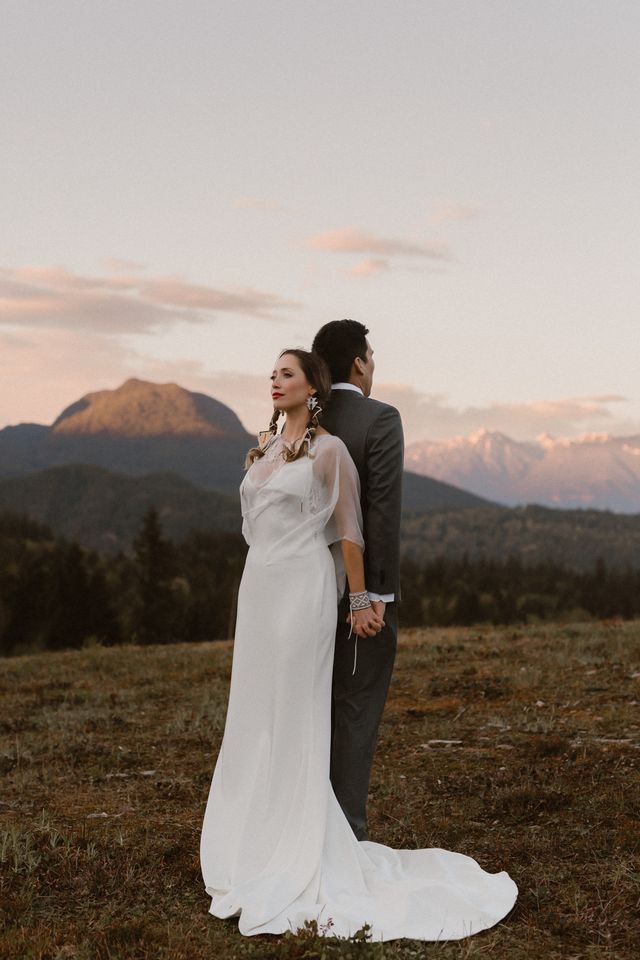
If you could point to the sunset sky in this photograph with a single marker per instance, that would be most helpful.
(187, 187)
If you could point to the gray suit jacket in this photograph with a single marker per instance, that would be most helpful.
(372, 432)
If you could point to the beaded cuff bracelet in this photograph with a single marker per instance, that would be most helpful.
(359, 601)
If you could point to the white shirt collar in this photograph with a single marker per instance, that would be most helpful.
(346, 386)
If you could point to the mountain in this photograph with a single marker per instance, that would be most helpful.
(104, 510)
(595, 470)
(142, 409)
(147, 428)
(136, 429)
(424, 493)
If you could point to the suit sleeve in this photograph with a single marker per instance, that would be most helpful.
(385, 463)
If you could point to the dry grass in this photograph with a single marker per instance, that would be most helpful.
(107, 756)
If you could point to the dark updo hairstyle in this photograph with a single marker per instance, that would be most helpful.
(317, 373)
(339, 343)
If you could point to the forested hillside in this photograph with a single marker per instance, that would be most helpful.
(56, 594)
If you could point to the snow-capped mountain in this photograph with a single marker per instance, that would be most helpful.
(593, 470)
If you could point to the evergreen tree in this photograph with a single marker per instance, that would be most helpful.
(155, 615)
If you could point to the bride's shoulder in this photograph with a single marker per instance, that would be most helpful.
(330, 443)
(329, 438)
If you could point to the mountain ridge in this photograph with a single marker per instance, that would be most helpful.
(142, 427)
(596, 470)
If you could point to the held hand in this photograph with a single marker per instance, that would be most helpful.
(366, 623)
(379, 607)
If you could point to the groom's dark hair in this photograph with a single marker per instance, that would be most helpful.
(339, 343)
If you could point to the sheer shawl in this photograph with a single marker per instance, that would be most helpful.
(335, 498)
(327, 483)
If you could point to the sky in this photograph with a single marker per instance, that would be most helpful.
(186, 188)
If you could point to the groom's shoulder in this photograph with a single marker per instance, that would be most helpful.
(377, 410)
(378, 406)
(373, 408)
(352, 415)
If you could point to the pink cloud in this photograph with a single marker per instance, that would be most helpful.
(56, 297)
(171, 291)
(368, 268)
(352, 240)
(431, 416)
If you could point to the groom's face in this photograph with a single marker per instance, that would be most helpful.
(368, 366)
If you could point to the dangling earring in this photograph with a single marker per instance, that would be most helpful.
(314, 410)
(314, 406)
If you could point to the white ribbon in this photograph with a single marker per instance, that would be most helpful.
(355, 650)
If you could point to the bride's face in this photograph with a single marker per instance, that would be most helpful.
(289, 385)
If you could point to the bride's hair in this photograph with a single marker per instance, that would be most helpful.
(317, 373)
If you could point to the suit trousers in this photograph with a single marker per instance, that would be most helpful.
(356, 709)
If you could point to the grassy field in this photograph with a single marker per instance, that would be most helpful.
(519, 747)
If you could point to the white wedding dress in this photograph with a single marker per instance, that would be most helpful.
(276, 848)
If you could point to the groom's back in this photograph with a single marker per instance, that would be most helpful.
(349, 416)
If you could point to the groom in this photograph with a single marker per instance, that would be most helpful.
(372, 433)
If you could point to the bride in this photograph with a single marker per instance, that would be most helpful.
(276, 848)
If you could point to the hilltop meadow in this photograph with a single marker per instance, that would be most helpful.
(516, 745)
